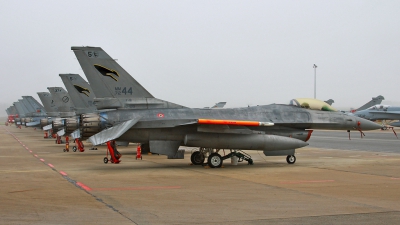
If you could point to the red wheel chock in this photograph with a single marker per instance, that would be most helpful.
(114, 154)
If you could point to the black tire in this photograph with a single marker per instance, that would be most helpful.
(145, 148)
(291, 159)
(64, 150)
(105, 160)
(214, 160)
(74, 148)
(197, 158)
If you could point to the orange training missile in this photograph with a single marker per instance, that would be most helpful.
(234, 122)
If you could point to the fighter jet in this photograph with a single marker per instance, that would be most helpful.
(20, 111)
(23, 111)
(163, 126)
(37, 111)
(381, 112)
(12, 114)
(51, 110)
(80, 93)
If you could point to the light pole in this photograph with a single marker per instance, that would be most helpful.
(315, 81)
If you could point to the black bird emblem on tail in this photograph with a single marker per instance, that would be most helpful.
(82, 90)
(107, 72)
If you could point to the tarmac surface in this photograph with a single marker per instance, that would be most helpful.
(334, 181)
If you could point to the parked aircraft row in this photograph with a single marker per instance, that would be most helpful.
(115, 107)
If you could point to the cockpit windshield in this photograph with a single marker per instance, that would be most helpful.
(378, 107)
(310, 103)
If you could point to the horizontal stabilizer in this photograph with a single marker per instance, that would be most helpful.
(61, 132)
(32, 124)
(48, 127)
(113, 132)
(76, 134)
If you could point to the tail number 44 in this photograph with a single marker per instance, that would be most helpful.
(123, 90)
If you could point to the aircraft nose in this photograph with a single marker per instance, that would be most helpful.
(367, 124)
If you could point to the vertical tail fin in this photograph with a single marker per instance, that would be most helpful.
(13, 110)
(375, 101)
(22, 111)
(63, 101)
(48, 103)
(80, 92)
(112, 85)
(330, 101)
(28, 106)
(107, 78)
(219, 105)
(38, 108)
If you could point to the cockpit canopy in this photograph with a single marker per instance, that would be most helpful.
(311, 103)
(379, 107)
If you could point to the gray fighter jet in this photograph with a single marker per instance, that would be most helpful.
(37, 111)
(163, 126)
(65, 107)
(82, 96)
(381, 112)
(12, 114)
(51, 110)
(80, 93)
(21, 113)
(48, 103)
(25, 111)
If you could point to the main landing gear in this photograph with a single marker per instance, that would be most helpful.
(214, 159)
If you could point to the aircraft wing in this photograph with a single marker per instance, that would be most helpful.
(112, 132)
(48, 127)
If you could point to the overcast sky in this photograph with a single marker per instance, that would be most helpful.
(197, 53)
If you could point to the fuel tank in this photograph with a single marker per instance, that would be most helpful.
(242, 141)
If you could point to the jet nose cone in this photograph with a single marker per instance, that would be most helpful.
(364, 124)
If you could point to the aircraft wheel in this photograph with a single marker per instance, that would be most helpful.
(145, 148)
(291, 159)
(105, 160)
(214, 160)
(74, 148)
(64, 150)
(197, 158)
